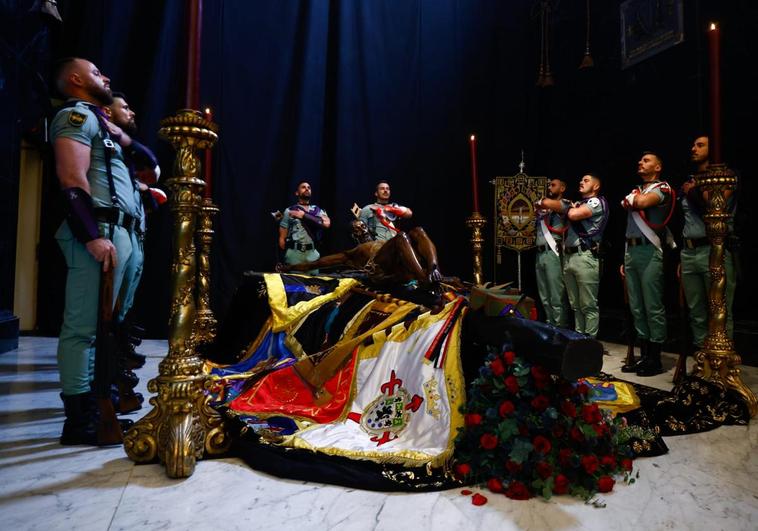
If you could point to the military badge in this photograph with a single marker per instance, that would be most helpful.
(76, 119)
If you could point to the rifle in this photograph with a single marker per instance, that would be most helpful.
(681, 363)
(631, 333)
(106, 365)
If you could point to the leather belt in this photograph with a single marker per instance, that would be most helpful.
(634, 242)
(692, 243)
(302, 247)
(543, 248)
(116, 216)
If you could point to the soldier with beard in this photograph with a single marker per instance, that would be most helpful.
(380, 216)
(551, 226)
(103, 210)
(581, 246)
(301, 228)
(144, 169)
(696, 249)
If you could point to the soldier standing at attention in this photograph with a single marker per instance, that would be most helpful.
(581, 264)
(696, 249)
(99, 233)
(380, 216)
(551, 227)
(649, 206)
(301, 228)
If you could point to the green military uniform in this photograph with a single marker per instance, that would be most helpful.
(299, 244)
(581, 266)
(549, 268)
(77, 338)
(643, 267)
(378, 230)
(696, 278)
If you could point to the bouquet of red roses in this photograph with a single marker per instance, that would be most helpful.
(530, 433)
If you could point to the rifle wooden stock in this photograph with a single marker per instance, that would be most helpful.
(681, 363)
(106, 365)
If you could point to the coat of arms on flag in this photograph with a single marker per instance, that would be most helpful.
(514, 208)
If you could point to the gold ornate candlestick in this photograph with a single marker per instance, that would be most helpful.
(181, 426)
(718, 361)
(205, 324)
(476, 223)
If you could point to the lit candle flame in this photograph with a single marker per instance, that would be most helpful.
(713, 26)
(207, 110)
(473, 137)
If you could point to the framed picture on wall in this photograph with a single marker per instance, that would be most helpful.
(649, 27)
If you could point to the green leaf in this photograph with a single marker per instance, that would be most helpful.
(521, 450)
(507, 429)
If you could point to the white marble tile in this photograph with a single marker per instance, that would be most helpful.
(707, 481)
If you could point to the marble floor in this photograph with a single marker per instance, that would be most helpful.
(708, 481)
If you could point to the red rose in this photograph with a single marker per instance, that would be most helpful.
(511, 383)
(478, 499)
(564, 456)
(576, 434)
(540, 402)
(472, 419)
(488, 441)
(591, 414)
(541, 377)
(589, 463)
(512, 467)
(497, 367)
(582, 389)
(506, 408)
(600, 429)
(605, 484)
(558, 431)
(544, 470)
(608, 460)
(462, 469)
(495, 485)
(542, 444)
(568, 408)
(509, 357)
(561, 484)
(518, 491)
(626, 464)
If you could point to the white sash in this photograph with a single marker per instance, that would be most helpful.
(549, 237)
(644, 228)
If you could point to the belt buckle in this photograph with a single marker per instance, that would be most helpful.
(689, 244)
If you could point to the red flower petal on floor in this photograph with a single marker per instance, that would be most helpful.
(478, 499)
(466, 492)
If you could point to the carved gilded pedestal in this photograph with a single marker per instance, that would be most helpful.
(476, 223)
(181, 427)
(718, 361)
(205, 324)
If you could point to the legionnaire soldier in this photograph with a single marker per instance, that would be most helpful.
(144, 170)
(649, 207)
(551, 227)
(581, 262)
(696, 249)
(99, 231)
(301, 227)
(380, 216)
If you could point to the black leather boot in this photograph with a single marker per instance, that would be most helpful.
(634, 367)
(651, 365)
(80, 426)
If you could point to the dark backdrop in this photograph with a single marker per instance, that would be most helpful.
(344, 93)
